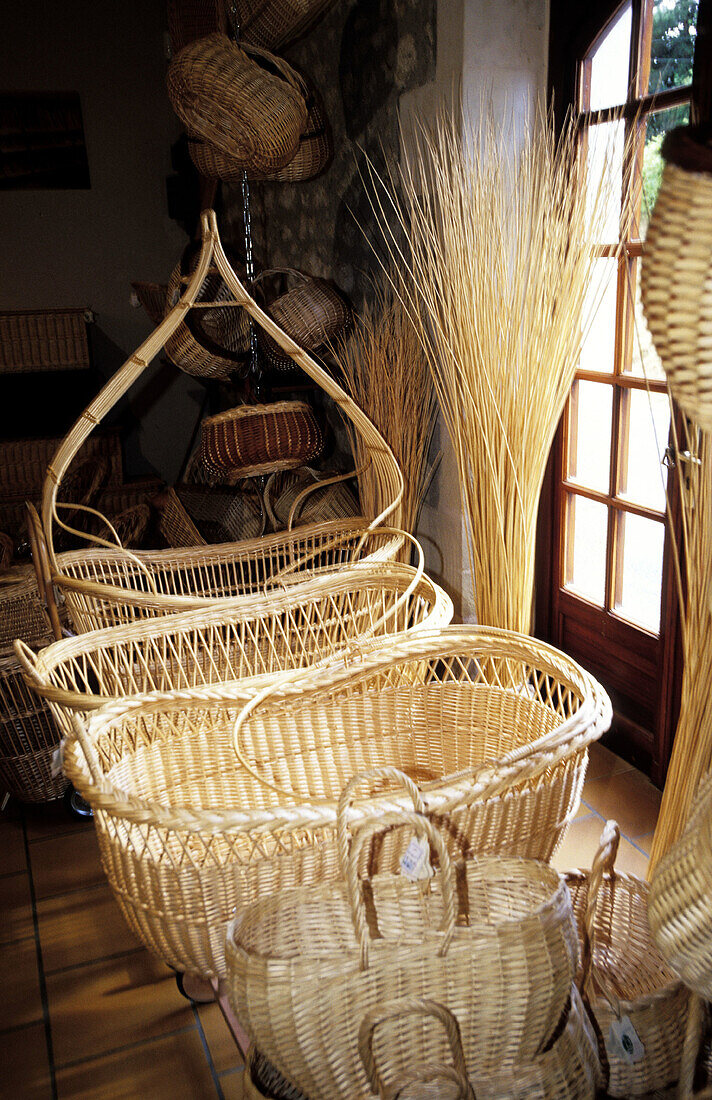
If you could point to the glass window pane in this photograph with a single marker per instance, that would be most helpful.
(645, 478)
(590, 435)
(599, 344)
(604, 165)
(609, 64)
(645, 361)
(657, 125)
(642, 563)
(586, 532)
(673, 44)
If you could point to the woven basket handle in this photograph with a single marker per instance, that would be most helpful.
(286, 71)
(43, 570)
(414, 1006)
(603, 865)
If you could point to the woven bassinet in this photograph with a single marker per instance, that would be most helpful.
(496, 942)
(187, 835)
(257, 636)
(102, 587)
(624, 975)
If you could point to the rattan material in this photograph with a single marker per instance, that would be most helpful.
(274, 23)
(312, 313)
(311, 159)
(680, 907)
(223, 513)
(82, 580)
(304, 495)
(191, 19)
(497, 942)
(676, 280)
(245, 102)
(129, 527)
(152, 297)
(261, 1080)
(256, 439)
(24, 462)
(22, 614)
(187, 835)
(258, 636)
(7, 551)
(47, 340)
(624, 974)
(175, 525)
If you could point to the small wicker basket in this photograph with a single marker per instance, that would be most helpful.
(625, 976)
(312, 312)
(244, 101)
(256, 439)
(305, 495)
(174, 523)
(224, 513)
(274, 23)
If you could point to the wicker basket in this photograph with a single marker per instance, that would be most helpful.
(174, 524)
(210, 343)
(256, 439)
(7, 551)
(246, 102)
(187, 836)
(46, 340)
(261, 1081)
(624, 975)
(567, 1070)
(304, 495)
(312, 313)
(313, 155)
(24, 462)
(224, 513)
(274, 23)
(104, 587)
(191, 19)
(129, 527)
(152, 296)
(676, 281)
(497, 942)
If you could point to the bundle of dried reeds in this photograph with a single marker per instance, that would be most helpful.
(387, 374)
(500, 233)
(691, 756)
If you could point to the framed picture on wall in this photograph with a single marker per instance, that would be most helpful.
(42, 141)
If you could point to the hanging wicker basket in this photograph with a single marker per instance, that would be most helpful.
(289, 947)
(312, 312)
(191, 19)
(274, 23)
(257, 439)
(624, 976)
(244, 101)
(676, 280)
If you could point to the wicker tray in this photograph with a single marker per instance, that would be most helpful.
(46, 340)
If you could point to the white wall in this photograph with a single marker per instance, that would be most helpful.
(495, 48)
(83, 248)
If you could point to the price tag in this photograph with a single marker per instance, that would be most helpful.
(624, 1042)
(57, 760)
(415, 862)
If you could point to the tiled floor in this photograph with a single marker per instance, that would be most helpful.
(87, 1012)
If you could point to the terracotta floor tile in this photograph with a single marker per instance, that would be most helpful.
(232, 1085)
(580, 843)
(98, 1008)
(20, 1002)
(12, 847)
(15, 908)
(81, 927)
(49, 819)
(25, 1069)
(63, 863)
(601, 761)
(174, 1068)
(223, 1049)
(645, 842)
(631, 860)
(629, 798)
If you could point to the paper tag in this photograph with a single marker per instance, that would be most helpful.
(415, 861)
(623, 1041)
(57, 760)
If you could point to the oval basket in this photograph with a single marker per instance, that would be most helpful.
(623, 974)
(463, 942)
(188, 838)
(257, 439)
(246, 102)
(274, 23)
(676, 279)
(312, 313)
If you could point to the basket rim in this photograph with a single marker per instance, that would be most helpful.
(246, 411)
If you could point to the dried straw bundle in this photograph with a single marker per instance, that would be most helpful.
(387, 374)
(500, 240)
(691, 757)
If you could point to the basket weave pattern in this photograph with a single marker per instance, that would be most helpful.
(48, 340)
(254, 439)
(272, 23)
(312, 313)
(210, 343)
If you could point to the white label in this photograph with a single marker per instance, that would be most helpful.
(57, 760)
(624, 1042)
(415, 862)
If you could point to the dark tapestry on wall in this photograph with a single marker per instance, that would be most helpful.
(42, 141)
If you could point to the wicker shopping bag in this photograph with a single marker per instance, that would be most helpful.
(638, 1005)
(493, 938)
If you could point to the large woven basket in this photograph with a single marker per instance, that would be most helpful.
(305, 495)
(312, 312)
(256, 439)
(257, 636)
(274, 23)
(187, 836)
(246, 102)
(624, 975)
(676, 281)
(497, 943)
(107, 586)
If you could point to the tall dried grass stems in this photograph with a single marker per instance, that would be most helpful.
(691, 756)
(387, 375)
(500, 235)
